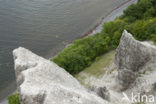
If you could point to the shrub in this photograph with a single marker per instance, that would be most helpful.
(139, 19)
(82, 53)
(14, 99)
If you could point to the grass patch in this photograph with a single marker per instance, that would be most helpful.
(97, 68)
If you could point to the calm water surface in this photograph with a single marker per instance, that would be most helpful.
(44, 25)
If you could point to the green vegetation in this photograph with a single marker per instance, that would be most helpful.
(138, 19)
(82, 53)
(101, 63)
(96, 69)
(14, 99)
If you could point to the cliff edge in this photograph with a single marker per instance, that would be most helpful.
(41, 81)
(131, 57)
(133, 72)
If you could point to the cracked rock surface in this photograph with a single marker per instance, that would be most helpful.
(41, 81)
(132, 72)
(131, 56)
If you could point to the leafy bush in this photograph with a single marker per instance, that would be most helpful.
(82, 53)
(14, 99)
(138, 19)
(142, 29)
(143, 9)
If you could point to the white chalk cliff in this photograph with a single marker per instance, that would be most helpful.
(41, 81)
(132, 57)
(132, 73)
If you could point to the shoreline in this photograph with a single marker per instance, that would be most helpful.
(104, 19)
(96, 29)
(91, 31)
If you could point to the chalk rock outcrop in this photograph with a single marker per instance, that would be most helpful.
(41, 81)
(131, 56)
(102, 92)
